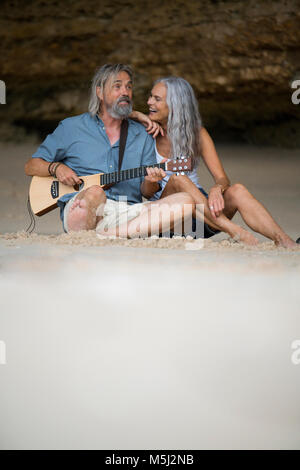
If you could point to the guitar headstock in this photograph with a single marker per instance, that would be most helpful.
(180, 165)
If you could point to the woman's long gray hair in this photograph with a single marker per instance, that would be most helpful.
(100, 78)
(184, 121)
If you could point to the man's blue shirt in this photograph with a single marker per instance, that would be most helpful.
(82, 144)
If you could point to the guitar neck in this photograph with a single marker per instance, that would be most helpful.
(123, 175)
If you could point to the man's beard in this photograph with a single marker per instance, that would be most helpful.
(120, 112)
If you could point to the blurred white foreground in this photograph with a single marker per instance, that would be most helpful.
(126, 348)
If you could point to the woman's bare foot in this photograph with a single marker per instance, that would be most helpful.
(242, 235)
(285, 241)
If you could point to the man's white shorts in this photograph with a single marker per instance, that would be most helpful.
(115, 213)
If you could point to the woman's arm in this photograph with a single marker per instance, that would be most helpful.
(152, 127)
(215, 167)
(212, 161)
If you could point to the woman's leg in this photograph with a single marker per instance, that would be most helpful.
(256, 216)
(223, 222)
(156, 217)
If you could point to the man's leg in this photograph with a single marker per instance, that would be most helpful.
(256, 216)
(223, 222)
(87, 209)
(156, 217)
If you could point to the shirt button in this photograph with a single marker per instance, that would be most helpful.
(110, 166)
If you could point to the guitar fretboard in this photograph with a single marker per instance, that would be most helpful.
(123, 175)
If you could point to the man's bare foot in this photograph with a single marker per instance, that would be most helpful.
(77, 217)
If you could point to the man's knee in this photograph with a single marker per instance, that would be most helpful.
(95, 194)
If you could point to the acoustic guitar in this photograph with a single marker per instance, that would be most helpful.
(45, 191)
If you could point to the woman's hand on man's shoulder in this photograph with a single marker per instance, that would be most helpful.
(153, 128)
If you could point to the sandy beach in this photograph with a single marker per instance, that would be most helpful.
(150, 344)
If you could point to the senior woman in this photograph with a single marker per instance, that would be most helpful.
(172, 104)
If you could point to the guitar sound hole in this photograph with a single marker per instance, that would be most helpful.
(78, 187)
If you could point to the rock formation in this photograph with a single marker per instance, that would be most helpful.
(240, 57)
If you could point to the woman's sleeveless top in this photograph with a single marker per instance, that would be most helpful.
(191, 174)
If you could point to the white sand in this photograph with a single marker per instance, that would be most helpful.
(151, 344)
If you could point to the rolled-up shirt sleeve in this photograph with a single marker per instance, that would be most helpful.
(53, 149)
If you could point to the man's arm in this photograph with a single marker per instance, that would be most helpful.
(52, 150)
(150, 184)
(36, 167)
(39, 167)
